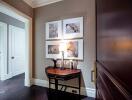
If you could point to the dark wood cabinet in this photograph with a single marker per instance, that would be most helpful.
(114, 49)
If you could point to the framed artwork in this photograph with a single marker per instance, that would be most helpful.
(54, 30)
(52, 49)
(74, 49)
(73, 28)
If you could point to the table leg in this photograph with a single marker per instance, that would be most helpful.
(49, 87)
(49, 83)
(79, 80)
(56, 84)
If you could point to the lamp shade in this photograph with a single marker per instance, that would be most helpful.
(62, 46)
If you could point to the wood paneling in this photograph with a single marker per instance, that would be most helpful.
(114, 49)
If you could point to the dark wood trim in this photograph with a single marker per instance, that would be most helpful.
(114, 79)
(96, 41)
(113, 49)
(105, 86)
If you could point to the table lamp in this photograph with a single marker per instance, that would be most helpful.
(62, 49)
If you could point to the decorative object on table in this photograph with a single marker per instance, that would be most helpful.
(66, 64)
(74, 49)
(75, 64)
(55, 62)
(73, 28)
(58, 63)
(52, 49)
(53, 30)
(71, 64)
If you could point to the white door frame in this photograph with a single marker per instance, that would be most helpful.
(3, 52)
(11, 11)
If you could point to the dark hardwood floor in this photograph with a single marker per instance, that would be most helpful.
(14, 89)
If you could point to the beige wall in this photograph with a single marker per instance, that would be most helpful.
(57, 11)
(62, 10)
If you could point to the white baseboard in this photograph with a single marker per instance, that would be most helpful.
(39, 82)
(10, 75)
(5, 77)
(84, 91)
(88, 92)
(17, 72)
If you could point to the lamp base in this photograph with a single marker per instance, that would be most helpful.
(62, 68)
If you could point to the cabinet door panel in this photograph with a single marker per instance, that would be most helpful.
(114, 49)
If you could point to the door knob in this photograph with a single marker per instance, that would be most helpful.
(12, 57)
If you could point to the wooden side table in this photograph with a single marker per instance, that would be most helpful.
(63, 75)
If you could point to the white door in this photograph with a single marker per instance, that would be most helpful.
(16, 50)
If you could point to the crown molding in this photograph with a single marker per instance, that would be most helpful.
(39, 3)
(29, 2)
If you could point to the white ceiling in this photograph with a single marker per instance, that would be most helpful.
(38, 3)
